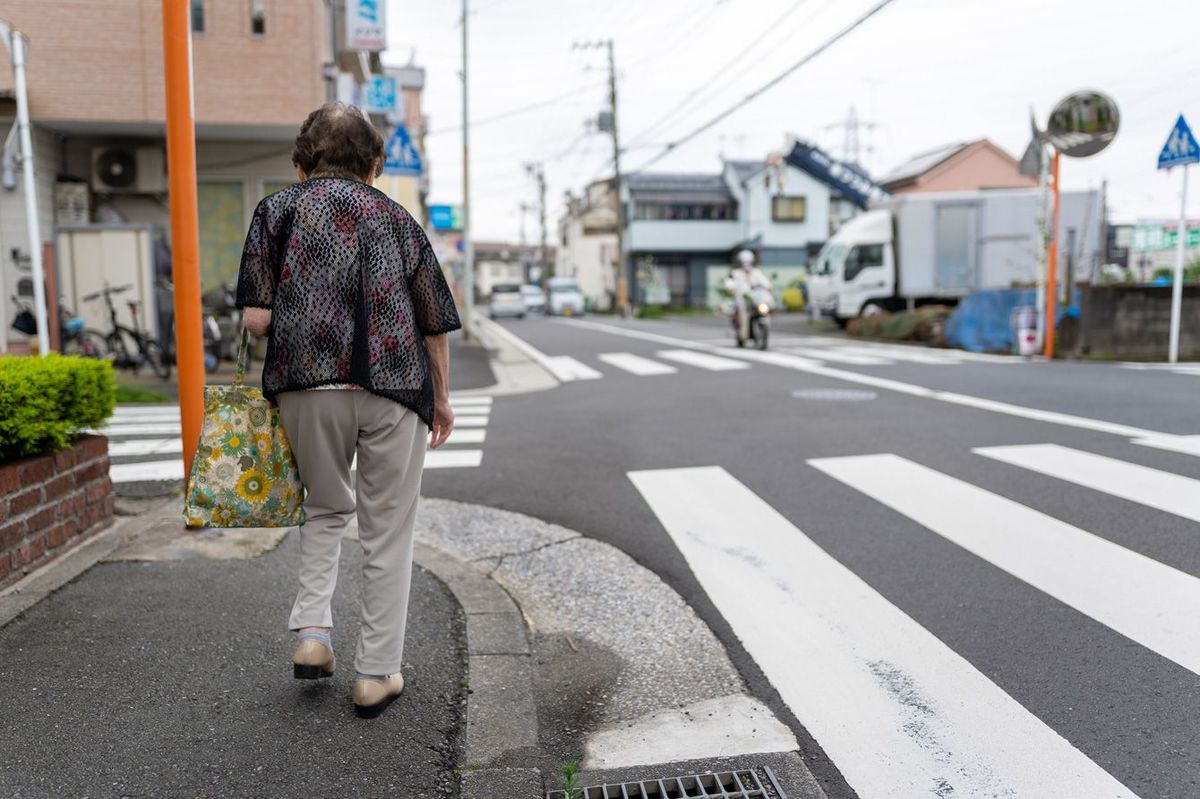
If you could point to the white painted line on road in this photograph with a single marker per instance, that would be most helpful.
(511, 338)
(149, 446)
(727, 726)
(898, 711)
(807, 365)
(140, 429)
(149, 470)
(566, 369)
(158, 417)
(470, 402)
(840, 355)
(910, 354)
(1144, 600)
(463, 420)
(453, 458)
(636, 364)
(1188, 445)
(709, 362)
(1166, 491)
(468, 436)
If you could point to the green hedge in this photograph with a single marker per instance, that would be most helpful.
(46, 402)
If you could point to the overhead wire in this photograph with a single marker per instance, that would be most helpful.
(841, 34)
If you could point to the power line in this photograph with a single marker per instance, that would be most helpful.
(708, 83)
(512, 112)
(767, 86)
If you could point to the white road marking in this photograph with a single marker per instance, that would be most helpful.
(158, 417)
(453, 458)
(566, 369)
(811, 367)
(636, 364)
(1144, 600)
(141, 429)
(149, 446)
(727, 726)
(463, 420)
(470, 402)
(709, 362)
(841, 355)
(1188, 445)
(468, 436)
(899, 712)
(1166, 491)
(149, 470)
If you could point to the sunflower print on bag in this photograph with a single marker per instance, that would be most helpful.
(244, 474)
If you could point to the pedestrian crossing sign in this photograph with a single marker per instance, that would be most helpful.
(1181, 148)
(403, 158)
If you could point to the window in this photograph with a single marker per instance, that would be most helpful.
(197, 16)
(828, 259)
(685, 211)
(258, 17)
(861, 257)
(788, 209)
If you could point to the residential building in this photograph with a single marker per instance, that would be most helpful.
(684, 229)
(96, 92)
(587, 250)
(962, 166)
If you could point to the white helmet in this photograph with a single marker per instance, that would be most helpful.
(746, 259)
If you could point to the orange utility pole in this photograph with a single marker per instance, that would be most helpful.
(1052, 264)
(185, 234)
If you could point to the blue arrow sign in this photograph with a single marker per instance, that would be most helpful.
(1181, 147)
(403, 157)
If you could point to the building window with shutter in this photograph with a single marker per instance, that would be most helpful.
(197, 16)
(258, 17)
(788, 209)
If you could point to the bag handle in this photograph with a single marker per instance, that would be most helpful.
(239, 377)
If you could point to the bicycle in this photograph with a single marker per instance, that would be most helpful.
(73, 339)
(148, 351)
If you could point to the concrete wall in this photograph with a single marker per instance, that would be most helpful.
(669, 235)
(1134, 321)
(102, 61)
(755, 210)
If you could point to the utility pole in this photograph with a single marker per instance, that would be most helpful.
(609, 125)
(468, 249)
(17, 44)
(537, 171)
(185, 231)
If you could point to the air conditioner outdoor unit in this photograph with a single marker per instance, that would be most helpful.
(128, 170)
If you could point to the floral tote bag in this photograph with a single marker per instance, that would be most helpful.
(244, 474)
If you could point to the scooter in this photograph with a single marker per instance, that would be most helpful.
(759, 305)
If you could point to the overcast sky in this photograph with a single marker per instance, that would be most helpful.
(924, 72)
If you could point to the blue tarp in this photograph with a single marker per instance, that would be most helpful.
(982, 321)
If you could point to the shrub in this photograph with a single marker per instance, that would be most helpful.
(46, 402)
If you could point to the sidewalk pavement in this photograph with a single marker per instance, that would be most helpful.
(164, 670)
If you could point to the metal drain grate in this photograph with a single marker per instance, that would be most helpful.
(755, 783)
(835, 394)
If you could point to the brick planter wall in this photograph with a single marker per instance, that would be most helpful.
(51, 503)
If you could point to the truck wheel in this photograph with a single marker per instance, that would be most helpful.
(841, 321)
(872, 308)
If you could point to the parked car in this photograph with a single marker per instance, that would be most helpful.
(565, 297)
(506, 300)
(535, 299)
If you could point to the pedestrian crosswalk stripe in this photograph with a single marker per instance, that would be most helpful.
(141, 429)
(149, 446)
(147, 471)
(1172, 493)
(566, 368)
(713, 363)
(840, 355)
(463, 420)
(470, 402)
(468, 436)
(636, 364)
(157, 417)
(453, 458)
(1144, 600)
(898, 711)
(1188, 445)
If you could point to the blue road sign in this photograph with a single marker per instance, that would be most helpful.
(1181, 147)
(403, 157)
(380, 94)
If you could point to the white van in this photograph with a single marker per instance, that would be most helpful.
(565, 298)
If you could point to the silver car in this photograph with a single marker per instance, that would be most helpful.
(506, 300)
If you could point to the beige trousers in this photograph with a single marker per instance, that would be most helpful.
(326, 429)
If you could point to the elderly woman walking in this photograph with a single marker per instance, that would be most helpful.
(345, 284)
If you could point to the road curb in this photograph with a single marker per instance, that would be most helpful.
(501, 712)
(517, 368)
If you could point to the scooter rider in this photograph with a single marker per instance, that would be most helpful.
(742, 281)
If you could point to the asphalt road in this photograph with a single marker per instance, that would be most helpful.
(1031, 614)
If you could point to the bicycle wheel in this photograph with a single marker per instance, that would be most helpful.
(86, 344)
(152, 353)
(118, 351)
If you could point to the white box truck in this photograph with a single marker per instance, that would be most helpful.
(921, 248)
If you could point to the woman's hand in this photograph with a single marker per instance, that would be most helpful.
(443, 422)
